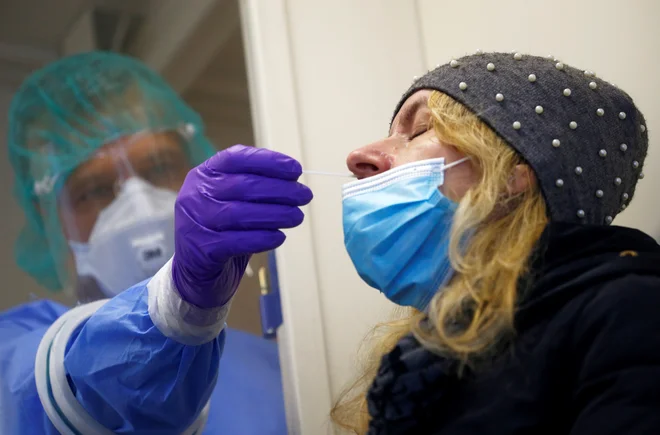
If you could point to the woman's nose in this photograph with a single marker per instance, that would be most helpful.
(368, 161)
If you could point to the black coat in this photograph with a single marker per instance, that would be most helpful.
(585, 361)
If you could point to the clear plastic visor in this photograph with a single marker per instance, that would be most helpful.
(109, 223)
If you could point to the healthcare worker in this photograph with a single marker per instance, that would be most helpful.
(488, 209)
(100, 146)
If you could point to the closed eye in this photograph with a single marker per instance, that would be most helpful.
(419, 133)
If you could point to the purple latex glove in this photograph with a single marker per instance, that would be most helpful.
(230, 207)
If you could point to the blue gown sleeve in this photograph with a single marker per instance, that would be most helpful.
(146, 362)
(133, 379)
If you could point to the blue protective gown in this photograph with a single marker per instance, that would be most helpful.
(133, 379)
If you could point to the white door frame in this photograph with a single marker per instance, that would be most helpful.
(276, 123)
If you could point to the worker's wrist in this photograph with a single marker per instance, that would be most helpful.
(206, 292)
(178, 319)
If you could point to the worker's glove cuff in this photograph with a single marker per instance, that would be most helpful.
(180, 320)
(210, 288)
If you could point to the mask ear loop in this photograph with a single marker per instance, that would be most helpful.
(451, 165)
(457, 162)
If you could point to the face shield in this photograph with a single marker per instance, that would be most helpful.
(99, 159)
(116, 211)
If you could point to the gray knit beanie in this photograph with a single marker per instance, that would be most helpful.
(583, 137)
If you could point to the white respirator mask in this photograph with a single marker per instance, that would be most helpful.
(132, 238)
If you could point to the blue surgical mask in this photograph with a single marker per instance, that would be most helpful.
(396, 230)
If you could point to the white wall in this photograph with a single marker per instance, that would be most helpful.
(351, 68)
(325, 77)
(616, 39)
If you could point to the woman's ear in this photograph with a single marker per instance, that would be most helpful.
(522, 179)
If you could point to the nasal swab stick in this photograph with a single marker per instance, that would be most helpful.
(330, 174)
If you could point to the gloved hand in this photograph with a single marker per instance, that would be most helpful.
(231, 206)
